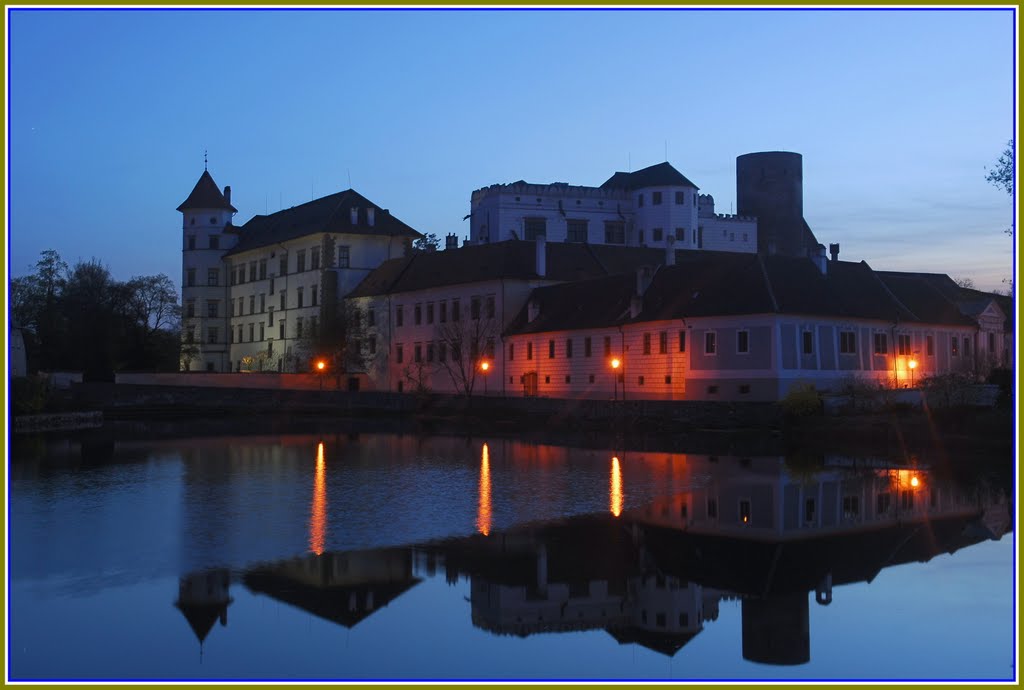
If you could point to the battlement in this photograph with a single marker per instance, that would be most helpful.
(552, 189)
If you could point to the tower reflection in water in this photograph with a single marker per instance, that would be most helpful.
(655, 575)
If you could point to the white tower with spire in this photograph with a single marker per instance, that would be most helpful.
(207, 232)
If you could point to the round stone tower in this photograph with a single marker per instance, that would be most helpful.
(770, 186)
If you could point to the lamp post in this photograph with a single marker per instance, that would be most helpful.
(912, 364)
(616, 363)
(485, 366)
(321, 365)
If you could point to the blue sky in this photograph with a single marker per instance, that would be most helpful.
(896, 113)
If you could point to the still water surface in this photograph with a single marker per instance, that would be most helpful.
(383, 556)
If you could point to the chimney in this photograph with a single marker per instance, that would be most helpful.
(354, 211)
(834, 251)
(369, 215)
(542, 256)
(643, 280)
(819, 259)
(451, 241)
(227, 194)
(670, 250)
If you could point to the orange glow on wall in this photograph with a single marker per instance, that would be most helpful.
(483, 513)
(615, 489)
(318, 517)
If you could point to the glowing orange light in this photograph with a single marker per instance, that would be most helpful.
(616, 363)
(912, 364)
(615, 489)
(483, 513)
(914, 481)
(745, 519)
(320, 365)
(318, 517)
(485, 366)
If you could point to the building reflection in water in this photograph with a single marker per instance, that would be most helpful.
(483, 519)
(615, 488)
(318, 516)
(744, 530)
(203, 599)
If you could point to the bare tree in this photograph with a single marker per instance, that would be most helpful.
(466, 342)
(338, 338)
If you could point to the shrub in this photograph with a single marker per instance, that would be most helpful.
(802, 400)
(28, 395)
(947, 390)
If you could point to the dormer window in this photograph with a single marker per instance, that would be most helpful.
(354, 215)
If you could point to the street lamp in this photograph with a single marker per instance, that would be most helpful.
(616, 363)
(913, 365)
(485, 366)
(321, 365)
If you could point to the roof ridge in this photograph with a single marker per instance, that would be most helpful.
(889, 292)
(597, 260)
(768, 283)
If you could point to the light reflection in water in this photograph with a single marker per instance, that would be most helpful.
(318, 518)
(615, 490)
(483, 517)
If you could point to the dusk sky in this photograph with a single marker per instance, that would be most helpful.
(897, 115)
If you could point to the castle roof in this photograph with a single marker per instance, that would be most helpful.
(205, 195)
(660, 175)
(968, 301)
(704, 283)
(329, 214)
(511, 259)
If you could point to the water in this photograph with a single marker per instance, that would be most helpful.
(383, 556)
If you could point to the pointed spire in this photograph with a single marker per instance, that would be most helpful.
(206, 195)
(205, 160)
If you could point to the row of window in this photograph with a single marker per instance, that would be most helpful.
(588, 349)
(214, 240)
(427, 311)
(847, 344)
(656, 198)
(441, 351)
(257, 269)
(212, 277)
(213, 305)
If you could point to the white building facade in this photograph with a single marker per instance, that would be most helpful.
(653, 207)
(254, 296)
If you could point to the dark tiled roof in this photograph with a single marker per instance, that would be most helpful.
(660, 175)
(205, 194)
(931, 297)
(851, 289)
(329, 214)
(707, 284)
(595, 303)
(721, 284)
(512, 259)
